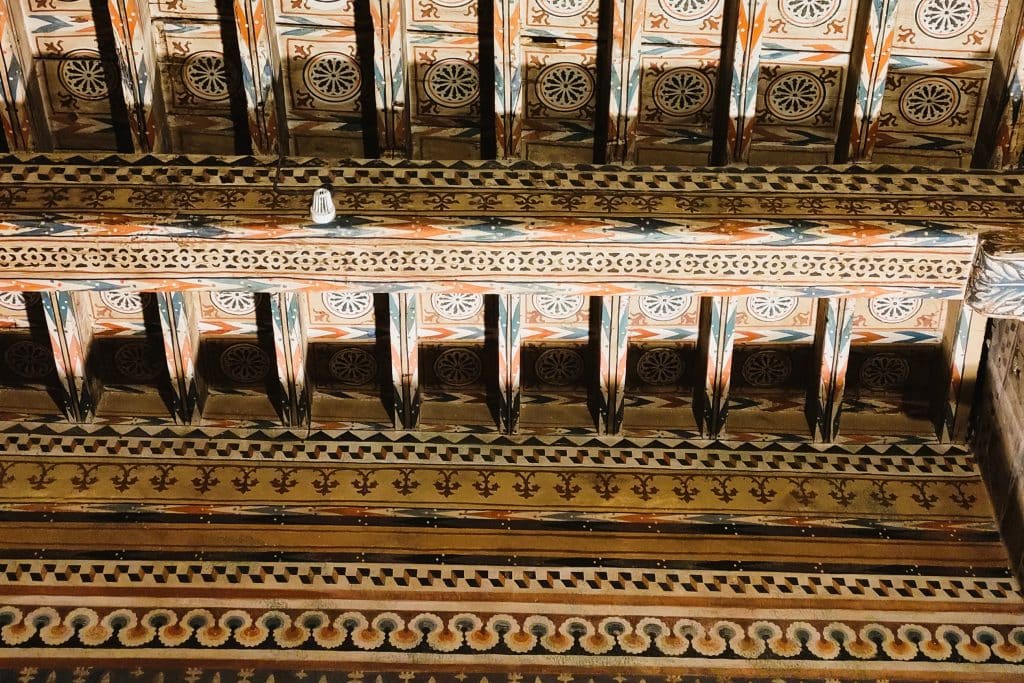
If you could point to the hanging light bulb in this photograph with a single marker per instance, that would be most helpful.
(322, 209)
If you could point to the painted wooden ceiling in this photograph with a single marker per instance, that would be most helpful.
(645, 81)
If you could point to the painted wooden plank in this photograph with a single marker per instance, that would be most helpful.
(404, 340)
(714, 353)
(178, 312)
(832, 336)
(67, 322)
(291, 345)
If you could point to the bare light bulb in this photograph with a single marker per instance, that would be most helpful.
(322, 209)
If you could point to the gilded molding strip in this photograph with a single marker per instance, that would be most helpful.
(180, 333)
(510, 344)
(290, 352)
(70, 335)
(260, 71)
(404, 340)
(832, 337)
(131, 28)
(613, 344)
(962, 346)
(714, 353)
(389, 64)
(874, 70)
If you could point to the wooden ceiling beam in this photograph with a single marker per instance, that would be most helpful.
(291, 351)
(179, 329)
(15, 110)
(1000, 141)
(962, 345)
(624, 95)
(403, 337)
(714, 357)
(391, 79)
(509, 100)
(613, 344)
(746, 71)
(261, 74)
(70, 331)
(872, 73)
(832, 337)
(510, 347)
(134, 52)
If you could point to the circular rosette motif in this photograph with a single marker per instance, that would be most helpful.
(557, 306)
(559, 367)
(659, 367)
(565, 8)
(766, 369)
(332, 77)
(457, 306)
(137, 361)
(682, 92)
(452, 83)
(458, 367)
(664, 307)
(348, 305)
(121, 301)
(795, 96)
(353, 366)
(946, 18)
(81, 74)
(205, 76)
(565, 87)
(14, 301)
(29, 359)
(889, 308)
(234, 303)
(884, 371)
(930, 101)
(244, 363)
(688, 10)
(808, 13)
(770, 309)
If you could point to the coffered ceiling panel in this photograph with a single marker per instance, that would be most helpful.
(196, 84)
(70, 74)
(807, 81)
